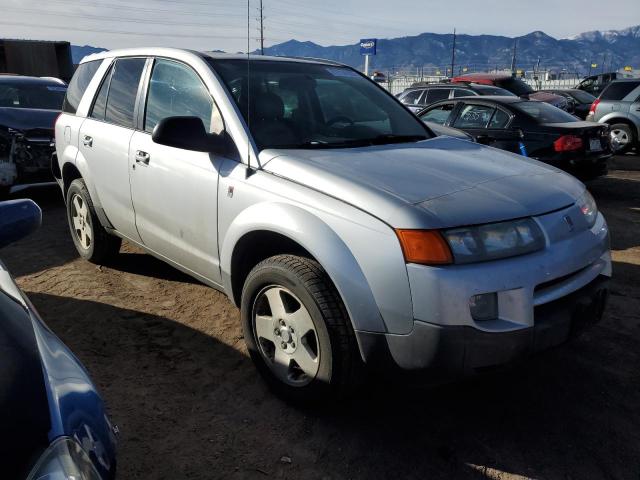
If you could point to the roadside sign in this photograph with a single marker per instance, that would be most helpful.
(368, 46)
(594, 65)
(628, 69)
(465, 69)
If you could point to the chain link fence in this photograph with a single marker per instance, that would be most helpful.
(400, 83)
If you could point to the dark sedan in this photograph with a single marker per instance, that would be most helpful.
(52, 419)
(531, 128)
(579, 101)
(29, 107)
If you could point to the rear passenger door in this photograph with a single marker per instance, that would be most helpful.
(174, 191)
(489, 125)
(105, 137)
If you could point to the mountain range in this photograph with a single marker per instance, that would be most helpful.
(614, 48)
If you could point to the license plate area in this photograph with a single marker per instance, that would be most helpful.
(595, 145)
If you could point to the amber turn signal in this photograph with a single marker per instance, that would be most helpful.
(427, 247)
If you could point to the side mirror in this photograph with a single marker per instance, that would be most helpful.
(189, 133)
(18, 218)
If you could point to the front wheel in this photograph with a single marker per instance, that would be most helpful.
(298, 332)
(92, 241)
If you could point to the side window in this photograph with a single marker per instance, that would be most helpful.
(474, 116)
(123, 89)
(439, 114)
(463, 92)
(79, 84)
(412, 97)
(436, 94)
(100, 103)
(499, 119)
(176, 90)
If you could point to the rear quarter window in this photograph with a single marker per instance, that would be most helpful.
(79, 84)
(618, 90)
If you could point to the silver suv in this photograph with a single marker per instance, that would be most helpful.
(346, 232)
(619, 106)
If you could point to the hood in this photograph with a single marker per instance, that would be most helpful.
(421, 185)
(24, 119)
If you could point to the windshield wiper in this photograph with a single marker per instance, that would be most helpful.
(392, 138)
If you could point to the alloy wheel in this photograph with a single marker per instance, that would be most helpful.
(286, 336)
(81, 223)
(619, 138)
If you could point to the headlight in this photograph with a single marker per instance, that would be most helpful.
(493, 241)
(64, 460)
(588, 207)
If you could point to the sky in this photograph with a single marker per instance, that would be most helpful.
(222, 25)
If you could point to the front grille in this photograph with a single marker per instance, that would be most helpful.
(559, 280)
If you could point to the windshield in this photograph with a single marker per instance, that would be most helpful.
(308, 105)
(515, 85)
(48, 97)
(544, 113)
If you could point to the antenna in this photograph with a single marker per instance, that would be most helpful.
(248, 172)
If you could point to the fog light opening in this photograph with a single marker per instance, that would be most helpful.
(484, 307)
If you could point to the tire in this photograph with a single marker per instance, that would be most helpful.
(92, 241)
(625, 135)
(300, 284)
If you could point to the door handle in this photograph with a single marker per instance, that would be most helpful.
(142, 157)
(87, 141)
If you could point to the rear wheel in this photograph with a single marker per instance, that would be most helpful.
(92, 241)
(298, 332)
(622, 137)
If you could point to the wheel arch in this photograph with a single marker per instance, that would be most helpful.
(614, 118)
(288, 227)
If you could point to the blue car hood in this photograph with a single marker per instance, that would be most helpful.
(437, 183)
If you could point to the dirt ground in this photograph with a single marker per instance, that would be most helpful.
(168, 356)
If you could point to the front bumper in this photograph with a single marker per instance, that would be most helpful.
(445, 352)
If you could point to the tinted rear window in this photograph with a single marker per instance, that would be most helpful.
(123, 90)
(25, 95)
(515, 85)
(583, 97)
(544, 113)
(79, 84)
(618, 90)
(501, 92)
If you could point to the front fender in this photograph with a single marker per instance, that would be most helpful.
(322, 242)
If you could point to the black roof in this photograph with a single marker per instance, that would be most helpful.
(479, 86)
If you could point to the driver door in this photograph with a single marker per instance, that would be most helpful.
(174, 191)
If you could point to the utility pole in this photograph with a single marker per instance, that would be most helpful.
(261, 20)
(604, 60)
(453, 52)
(513, 58)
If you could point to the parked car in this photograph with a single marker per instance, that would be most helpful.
(531, 128)
(52, 416)
(347, 233)
(595, 84)
(379, 77)
(418, 97)
(28, 109)
(579, 101)
(619, 107)
(515, 85)
(441, 130)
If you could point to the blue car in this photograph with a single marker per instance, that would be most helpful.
(53, 423)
